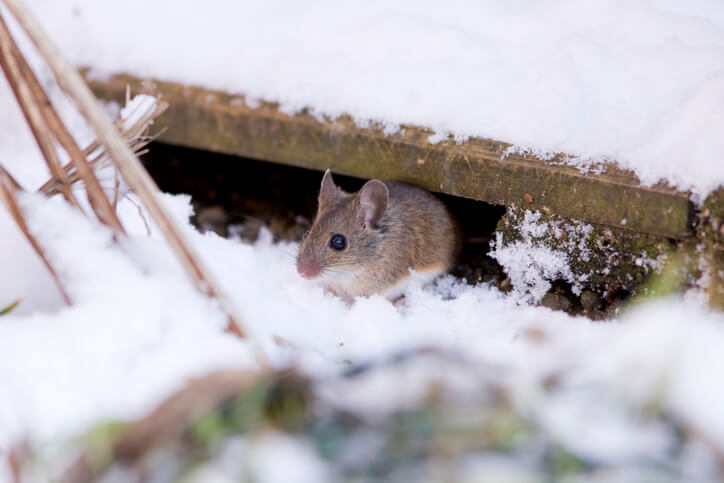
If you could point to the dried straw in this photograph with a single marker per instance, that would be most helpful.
(111, 144)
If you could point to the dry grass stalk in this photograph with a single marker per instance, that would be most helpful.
(44, 120)
(9, 308)
(135, 135)
(127, 163)
(11, 64)
(8, 189)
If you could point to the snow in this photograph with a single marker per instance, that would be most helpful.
(531, 264)
(62, 366)
(138, 330)
(136, 109)
(640, 82)
(531, 267)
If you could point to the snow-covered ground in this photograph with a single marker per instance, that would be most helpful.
(637, 81)
(628, 80)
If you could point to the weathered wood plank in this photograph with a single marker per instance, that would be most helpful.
(710, 231)
(476, 169)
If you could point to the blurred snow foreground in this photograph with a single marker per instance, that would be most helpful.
(635, 398)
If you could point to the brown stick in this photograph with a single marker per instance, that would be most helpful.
(11, 65)
(8, 188)
(130, 167)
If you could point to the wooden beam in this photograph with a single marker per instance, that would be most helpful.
(477, 168)
(710, 231)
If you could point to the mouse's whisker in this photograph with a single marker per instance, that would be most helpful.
(289, 254)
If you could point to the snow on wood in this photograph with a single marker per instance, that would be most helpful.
(632, 81)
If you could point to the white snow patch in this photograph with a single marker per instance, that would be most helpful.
(137, 108)
(531, 267)
(437, 138)
(530, 263)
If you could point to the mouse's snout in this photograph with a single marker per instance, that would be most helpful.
(309, 268)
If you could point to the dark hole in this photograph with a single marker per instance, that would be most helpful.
(239, 195)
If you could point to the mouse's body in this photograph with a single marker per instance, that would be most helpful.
(366, 242)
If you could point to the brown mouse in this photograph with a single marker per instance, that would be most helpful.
(366, 242)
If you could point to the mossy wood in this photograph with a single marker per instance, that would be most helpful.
(477, 168)
(601, 258)
(711, 231)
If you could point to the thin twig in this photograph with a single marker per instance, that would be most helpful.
(141, 215)
(8, 188)
(116, 190)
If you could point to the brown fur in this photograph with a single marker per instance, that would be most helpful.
(413, 229)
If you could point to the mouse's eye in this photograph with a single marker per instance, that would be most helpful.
(305, 235)
(338, 242)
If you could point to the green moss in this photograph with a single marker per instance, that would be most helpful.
(601, 258)
(710, 232)
(563, 463)
(279, 400)
(98, 444)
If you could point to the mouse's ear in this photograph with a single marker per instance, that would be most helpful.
(373, 199)
(328, 192)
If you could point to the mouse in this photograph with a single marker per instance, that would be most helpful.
(365, 243)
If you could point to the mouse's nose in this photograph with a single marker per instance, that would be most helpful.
(309, 268)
